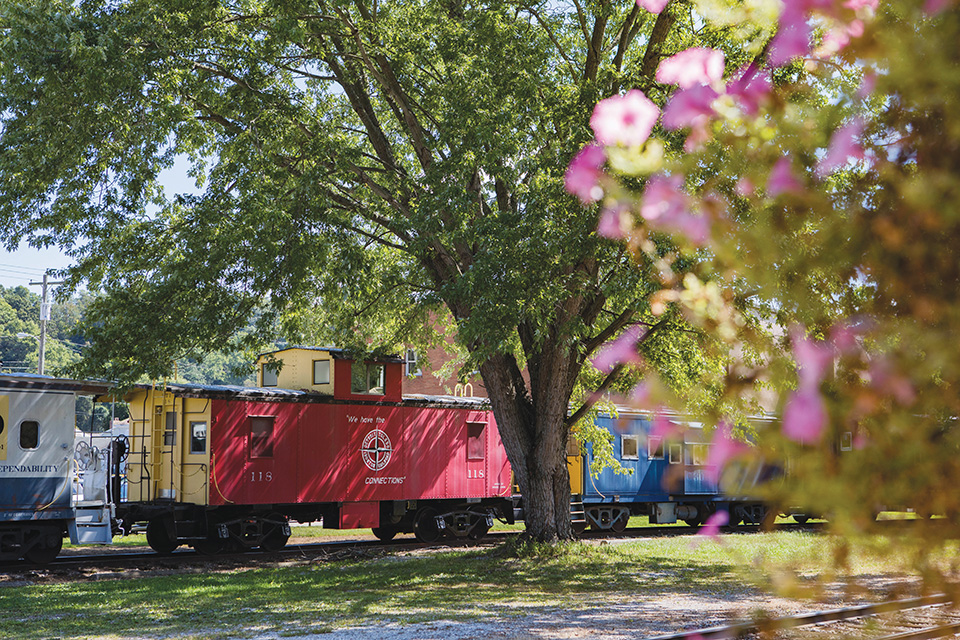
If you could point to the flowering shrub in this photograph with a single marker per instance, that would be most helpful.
(817, 186)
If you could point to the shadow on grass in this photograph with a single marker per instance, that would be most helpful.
(316, 597)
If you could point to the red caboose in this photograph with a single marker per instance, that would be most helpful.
(230, 466)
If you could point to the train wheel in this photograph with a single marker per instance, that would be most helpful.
(159, 538)
(579, 527)
(276, 538)
(208, 546)
(801, 518)
(47, 548)
(619, 524)
(425, 525)
(385, 533)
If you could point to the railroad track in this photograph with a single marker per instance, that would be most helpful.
(922, 618)
(136, 556)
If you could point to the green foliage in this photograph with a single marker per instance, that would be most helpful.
(20, 314)
(95, 417)
(856, 263)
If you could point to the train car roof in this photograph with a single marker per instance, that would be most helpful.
(336, 352)
(275, 394)
(35, 381)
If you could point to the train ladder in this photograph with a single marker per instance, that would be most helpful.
(157, 435)
(577, 514)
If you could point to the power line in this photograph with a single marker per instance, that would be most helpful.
(20, 269)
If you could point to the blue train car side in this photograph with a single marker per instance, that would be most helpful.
(666, 481)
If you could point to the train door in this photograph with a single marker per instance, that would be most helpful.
(270, 468)
(477, 454)
(696, 479)
(194, 450)
(165, 443)
(575, 465)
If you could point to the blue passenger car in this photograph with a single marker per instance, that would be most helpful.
(667, 481)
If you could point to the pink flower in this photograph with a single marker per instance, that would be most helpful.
(611, 222)
(843, 147)
(662, 428)
(812, 357)
(744, 187)
(885, 380)
(687, 105)
(665, 207)
(711, 528)
(933, 7)
(693, 66)
(793, 35)
(663, 198)
(843, 336)
(699, 134)
(626, 120)
(782, 180)
(583, 175)
(653, 6)
(622, 350)
(723, 448)
(640, 395)
(804, 416)
(751, 88)
(839, 37)
(861, 4)
(868, 84)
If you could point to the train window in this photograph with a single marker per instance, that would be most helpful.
(261, 437)
(654, 448)
(29, 434)
(198, 437)
(321, 372)
(700, 454)
(629, 447)
(676, 453)
(269, 374)
(475, 444)
(846, 441)
(367, 378)
(573, 446)
(170, 430)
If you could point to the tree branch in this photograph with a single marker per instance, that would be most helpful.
(595, 49)
(553, 39)
(629, 30)
(651, 57)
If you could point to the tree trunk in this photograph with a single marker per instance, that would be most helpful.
(534, 433)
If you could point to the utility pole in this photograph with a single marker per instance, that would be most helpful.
(44, 317)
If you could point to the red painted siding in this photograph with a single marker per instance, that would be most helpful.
(241, 476)
(353, 454)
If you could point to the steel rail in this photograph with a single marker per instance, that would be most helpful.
(930, 633)
(743, 629)
(113, 556)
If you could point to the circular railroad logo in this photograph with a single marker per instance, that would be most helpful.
(376, 450)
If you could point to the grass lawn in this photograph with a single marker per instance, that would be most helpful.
(317, 596)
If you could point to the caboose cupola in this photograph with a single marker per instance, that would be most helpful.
(334, 372)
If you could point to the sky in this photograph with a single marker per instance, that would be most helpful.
(19, 268)
(26, 265)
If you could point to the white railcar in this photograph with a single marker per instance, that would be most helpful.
(38, 468)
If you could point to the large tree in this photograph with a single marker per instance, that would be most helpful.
(359, 164)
